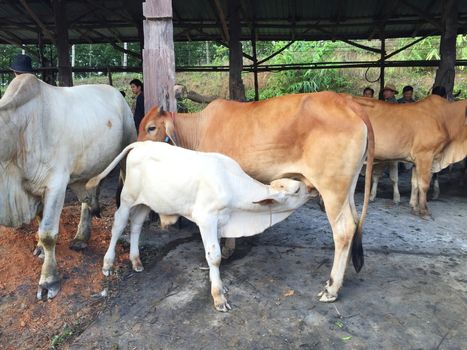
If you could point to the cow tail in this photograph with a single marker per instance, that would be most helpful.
(357, 248)
(94, 182)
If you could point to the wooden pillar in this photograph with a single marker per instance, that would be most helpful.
(381, 68)
(158, 55)
(63, 46)
(236, 88)
(255, 64)
(447, 49)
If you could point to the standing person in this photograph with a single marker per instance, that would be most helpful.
(389, 93)
(138, 112)
(21, 64)
(407, 95)
(368, 92)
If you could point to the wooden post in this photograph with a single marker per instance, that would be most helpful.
(158, 55)
(236, 87)
(381, 69)
(255, 64)
(447, 49)
(63, 46)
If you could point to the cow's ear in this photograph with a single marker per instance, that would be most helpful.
(170, 131)
(160, 111)
(267, 201)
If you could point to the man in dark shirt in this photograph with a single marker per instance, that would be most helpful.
(137, 89)
(407, 95)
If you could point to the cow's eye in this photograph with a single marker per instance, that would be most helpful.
(151, 128)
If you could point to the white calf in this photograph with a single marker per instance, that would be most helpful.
(209, 189)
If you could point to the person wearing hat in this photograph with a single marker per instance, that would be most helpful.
(407, 95)
(21, 64)
(389, 93)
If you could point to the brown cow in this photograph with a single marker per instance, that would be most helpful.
(431, 134)
(321, 139)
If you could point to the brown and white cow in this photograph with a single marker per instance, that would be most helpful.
(321, 139)
(431, 134)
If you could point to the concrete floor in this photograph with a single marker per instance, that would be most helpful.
(411, 293)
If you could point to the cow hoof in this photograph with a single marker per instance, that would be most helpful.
(138, 268)
(78, 245)
(48, 290)
(326, 297)
(106, 272)
(223, 307)
(39, 252)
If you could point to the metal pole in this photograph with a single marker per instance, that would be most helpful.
(255, 64)
(381, 73)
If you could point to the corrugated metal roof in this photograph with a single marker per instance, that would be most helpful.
(118, 20)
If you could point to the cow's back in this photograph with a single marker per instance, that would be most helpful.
(87, 126)
(268, 137)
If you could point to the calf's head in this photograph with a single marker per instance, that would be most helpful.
(157, 125)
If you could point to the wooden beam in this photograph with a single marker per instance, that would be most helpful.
(423, 14)
(446, 73)
(383, 17)
(20, 45)
(220, 14)
(276, 53)
(36, 19)
(405, 47)
(65, 77)
(236, 87)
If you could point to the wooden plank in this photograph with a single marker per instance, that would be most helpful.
(157, 9)
(159, 64)
(36, 19)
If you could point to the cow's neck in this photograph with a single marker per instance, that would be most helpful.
(189, 127)
(456, 115)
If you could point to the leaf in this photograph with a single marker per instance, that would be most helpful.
(339, 324)
(347, 338)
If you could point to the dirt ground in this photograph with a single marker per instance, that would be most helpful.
(411, 293)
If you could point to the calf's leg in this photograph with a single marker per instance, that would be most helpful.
(120, 221)
(208, 229)
(137, 217)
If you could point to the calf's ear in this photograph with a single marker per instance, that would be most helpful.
(170, 131)
(267, 201)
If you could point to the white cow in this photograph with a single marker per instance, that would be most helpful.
(53, 137)
(209, 189)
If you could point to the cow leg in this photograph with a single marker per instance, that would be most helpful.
(80, 241)
(414, 190)
(212, 249)
(120, 221)
(436, 190)
(54, 198)
(423, 178)
(378, 170)
(394, 176)
(89, 207)
(341, 218)
(228, 248)
(138, 215)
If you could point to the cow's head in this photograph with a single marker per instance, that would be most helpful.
(157, 125)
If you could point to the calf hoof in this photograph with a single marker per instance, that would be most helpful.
(326, 297)
(78, 245)
(48, 290)
(137, 265)
(39, 252)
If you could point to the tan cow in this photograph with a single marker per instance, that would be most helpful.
(431, 134)
(321, 139)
